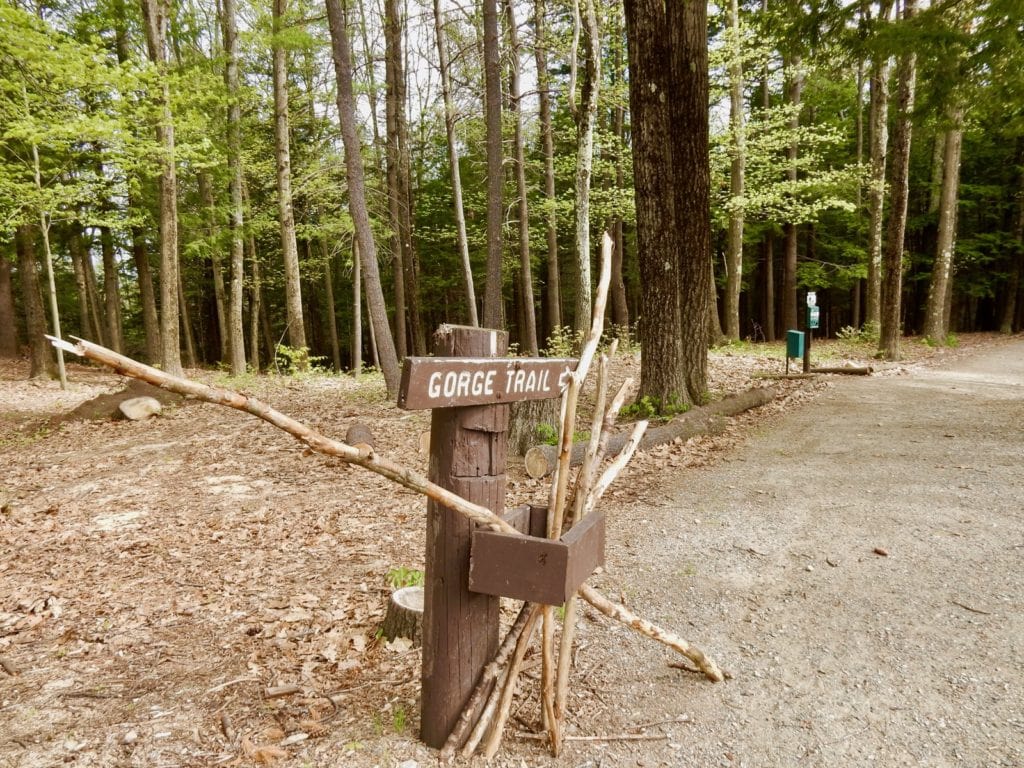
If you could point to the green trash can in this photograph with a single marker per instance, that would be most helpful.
(794, 344)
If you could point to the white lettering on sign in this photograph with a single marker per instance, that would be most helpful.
(461, 383)
(523, 382)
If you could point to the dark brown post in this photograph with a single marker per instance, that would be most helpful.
(468, 456)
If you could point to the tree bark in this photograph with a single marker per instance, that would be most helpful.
(493, 310)
(734, 254)
(936, 325)
(1017, 267)
(213, 238)
(879, 132)
(186, 324)
(552, 293)
(332, 321)
(8, 330)
(668, 96)
(342, 56)
(528, 331)
(40, 357)
(617, 290)
(111, 291)
(86, 321)
(357, 313)
(393, 105)
(458, 209)
(285, 212)
(892, 263)
(156, 17)
(794, 89)
(769, 241)
(236, 337)
(586, 120)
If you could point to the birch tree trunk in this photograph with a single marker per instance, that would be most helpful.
(381, 331)
(552, 293)
(453, 162)
(236, 338)
(879, 133)
(936, 325)
(734, 255)
(586, 120)
(892, 263)
(285, 213)
(528, 332)
(155, 15)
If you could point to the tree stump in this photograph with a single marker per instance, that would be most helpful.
(359, 436)
(404, 617)
(524, 419)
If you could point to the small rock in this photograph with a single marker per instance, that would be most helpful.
(130, 738)
(881, 552)
(810, 568)
(139, 408)
(408, 764)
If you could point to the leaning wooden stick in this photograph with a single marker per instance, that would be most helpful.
(505, 703)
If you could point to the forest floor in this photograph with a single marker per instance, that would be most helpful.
(851, 553)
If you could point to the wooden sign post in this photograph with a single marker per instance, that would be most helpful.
(468, 386)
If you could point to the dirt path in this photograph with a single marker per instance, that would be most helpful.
(857, 566)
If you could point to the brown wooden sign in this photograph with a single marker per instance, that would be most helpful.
(448, 382)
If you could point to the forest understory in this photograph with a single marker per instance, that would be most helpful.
(160, 579)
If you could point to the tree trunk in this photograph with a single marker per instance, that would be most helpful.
(734, 254)
(586, 121)
(285, 212)
(147, 295)
(552, 292)
(86, 325)
(357, 196)
(236, 337)
(879, 132)
(528, 330)
(357, 313)
(1013, 285)
(40, 355)
(892, 263)
(453, 162)
(617, 290)
(156, 17)
(794, 88)
(92, 289)
(213, 238)
(769, 242)
(111, 291)
(668, 97)
(392, 106)
(493, 309)
(332, 321)
(8, 330)
(936, 325)
(186, 325)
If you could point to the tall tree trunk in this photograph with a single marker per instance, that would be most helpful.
(236, 337)
(878, 111)
(1013, 285)
(40, 357)
(734, 254)
(617, 289)
(357, 196)
(552, 293)
(668, 96)
(936, 325)
(892, 263)
(8, 330)
(86, 322)
(768, 245)
(393, 106)
(156, 16)
(493, 309)
(213, 238)
(111, 291)
(95, 304)
(528, 338)
(332, 320)
(794, 89)
(586, 122)
(357, 312)
(453, 162)
(147, 295)
(285, 212)
(191, 360)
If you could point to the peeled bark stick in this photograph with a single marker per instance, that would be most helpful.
(622, 614)
(485, 717)
(612, 470)
(505, 703)
(591, 460)
(705, 419)
(366, 459)
(487, 678)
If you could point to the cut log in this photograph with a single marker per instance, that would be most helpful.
(849, 370)
(359, 435)
(703, 420)
(405, 615)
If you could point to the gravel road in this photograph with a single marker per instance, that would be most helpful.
(856, 565)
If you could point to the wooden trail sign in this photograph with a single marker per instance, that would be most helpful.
(438, 382)
(468, 387)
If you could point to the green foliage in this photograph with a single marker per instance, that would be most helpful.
(564, 342)
(654, 408)
(547, 434)
(867, 334)
(404, 577)
(298, 362)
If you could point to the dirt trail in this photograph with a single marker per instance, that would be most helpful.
(857, 566)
